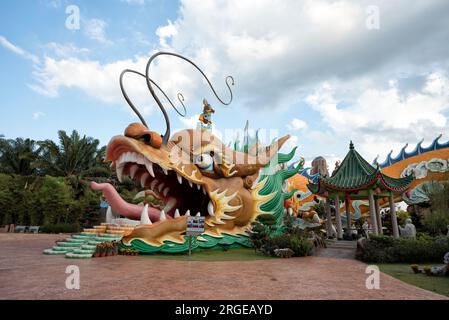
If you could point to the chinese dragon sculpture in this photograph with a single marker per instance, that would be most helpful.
(193, 173)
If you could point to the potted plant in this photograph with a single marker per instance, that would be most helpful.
(415, 268)
(427, 271)
(97, 252)
(102, 250)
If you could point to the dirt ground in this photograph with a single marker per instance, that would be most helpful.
(26, 273)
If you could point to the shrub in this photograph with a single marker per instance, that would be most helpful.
(385, 249)
(300, 245)
(61, 228)
(436, 222)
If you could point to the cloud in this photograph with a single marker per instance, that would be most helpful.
(381, 88)
(300, 44)
(65, 50)
(100, 80)
(190, 122)
(96, 29)
(37, 115)
(378, 120)
(5, 43)
(297, 124)
(166, 32)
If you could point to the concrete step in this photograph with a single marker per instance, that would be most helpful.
(68, 244)
(55, 252)
(341, 244)
(72, 255)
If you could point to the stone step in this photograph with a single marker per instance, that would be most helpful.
(72, 255)
(83, 236)
(68, 244)
(88, 246)
(58, 248)
(74, 240)
(341, 244)
(55, 252)
(84, 251)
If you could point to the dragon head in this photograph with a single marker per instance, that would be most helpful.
(194, 174)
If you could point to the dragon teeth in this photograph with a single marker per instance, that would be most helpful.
(153, 184)
(198, 214)
(162, 216)
(144, 218)
(177, 215)
(149, 166)
(143, 179)
(159, 188)
(140, 159)
(204, 190)
(226, 217)
(198, 186)
(170, 205)
(187, 214)
(210, 209)
(165, 192)
(190, 183)
(165, 171)
(179, 178)
(119, 172)
(133, 170)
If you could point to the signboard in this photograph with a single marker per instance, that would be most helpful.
(195, 225)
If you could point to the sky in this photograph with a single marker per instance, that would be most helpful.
(325, 72)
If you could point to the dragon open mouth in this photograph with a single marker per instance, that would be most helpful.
(180, 196)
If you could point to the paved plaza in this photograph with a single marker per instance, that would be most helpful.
(26, 273)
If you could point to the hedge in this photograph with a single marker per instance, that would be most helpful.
(386, 249)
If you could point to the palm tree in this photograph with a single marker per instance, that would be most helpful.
(17, 156)
(74, 156)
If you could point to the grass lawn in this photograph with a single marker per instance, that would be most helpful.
(404, 273)
(237, 254)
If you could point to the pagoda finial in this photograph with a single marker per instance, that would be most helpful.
(351, 146)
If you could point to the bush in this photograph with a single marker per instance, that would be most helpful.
(438, 219)
(385, 249)
(300, 245)
(61, 228)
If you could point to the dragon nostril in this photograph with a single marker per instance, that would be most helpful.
(140, 132)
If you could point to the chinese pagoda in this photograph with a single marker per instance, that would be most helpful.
(356, 179)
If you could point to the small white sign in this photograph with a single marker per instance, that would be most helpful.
(195, 225)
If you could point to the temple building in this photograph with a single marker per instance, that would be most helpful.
(356, 179)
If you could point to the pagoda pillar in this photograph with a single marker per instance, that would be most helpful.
(338, 217)
(328, 218)
(348, 217)
(394, 220)
(372, 211)
(379, 219)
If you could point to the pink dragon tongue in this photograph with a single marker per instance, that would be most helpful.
(129, 210)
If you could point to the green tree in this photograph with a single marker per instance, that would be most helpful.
(74, 156)
(17, 156)
(437, 221)
(54, 200)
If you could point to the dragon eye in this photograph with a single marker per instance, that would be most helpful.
(204, 161)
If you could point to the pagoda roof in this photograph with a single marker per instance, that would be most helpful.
(355, 173)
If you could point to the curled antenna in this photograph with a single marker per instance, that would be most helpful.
(166, 136)
(133, 107)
